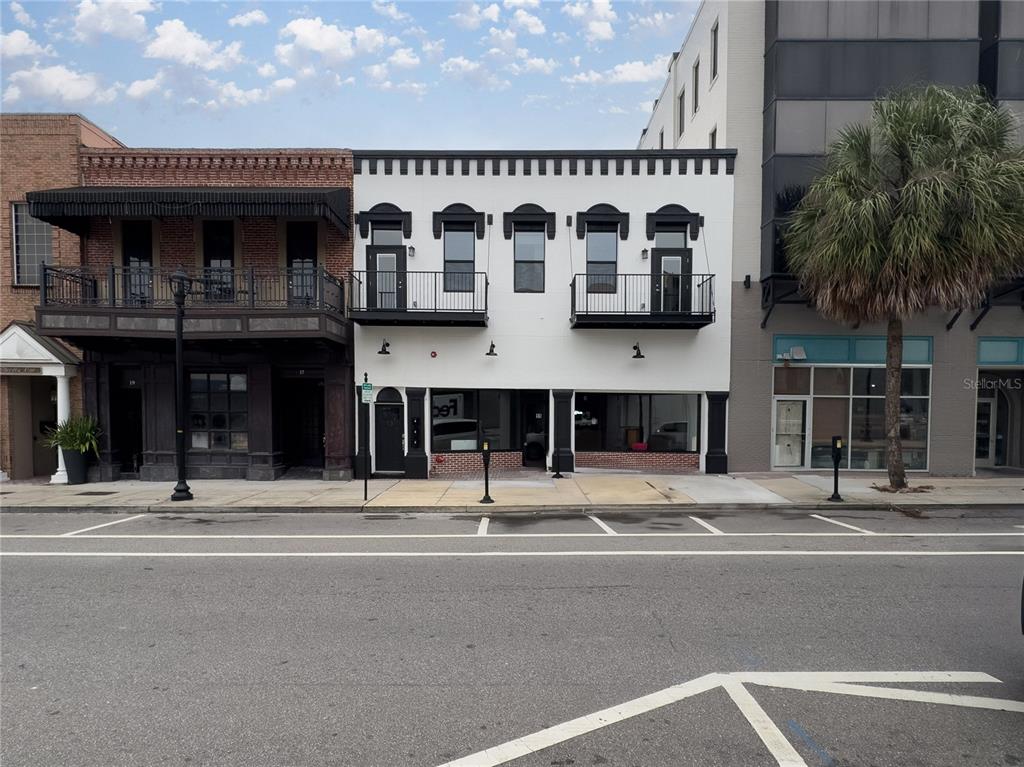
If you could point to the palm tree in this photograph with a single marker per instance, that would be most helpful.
(922, 207)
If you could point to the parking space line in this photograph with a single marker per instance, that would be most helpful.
(428, 536)
(918, 696)
(860, 530)
(97, 527)
(484, 522)
(508, 554)
(602, 525)
(781, 749)
(711, 528)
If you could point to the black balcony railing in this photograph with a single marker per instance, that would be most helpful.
(389, 297)
(145, 287)
(634, 300)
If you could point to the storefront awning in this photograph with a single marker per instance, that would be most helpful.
(71, 208)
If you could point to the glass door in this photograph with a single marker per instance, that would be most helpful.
(300, 250)
(790, 433)
(671, 274)
(985, 432)
(387, 282)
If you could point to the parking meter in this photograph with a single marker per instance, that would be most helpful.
(486, 455)
(837, 457)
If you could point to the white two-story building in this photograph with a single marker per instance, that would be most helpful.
(570, 309)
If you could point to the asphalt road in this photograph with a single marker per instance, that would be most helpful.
(390, 639)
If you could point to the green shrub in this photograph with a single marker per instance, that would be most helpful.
(78, 433)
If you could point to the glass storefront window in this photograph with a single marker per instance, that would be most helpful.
(792, 380)
(832, 381)
(218, 416)
(831, 417)
(660, 423)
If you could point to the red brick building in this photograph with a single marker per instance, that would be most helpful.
(37, 151)
(264, 237)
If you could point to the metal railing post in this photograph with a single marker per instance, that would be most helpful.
(42, 285)
(112, 286)
(251, 286)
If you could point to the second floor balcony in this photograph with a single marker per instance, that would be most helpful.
(642, 300)
(220, 303)
(419, 298)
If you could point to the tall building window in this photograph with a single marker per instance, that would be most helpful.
(219, 411)
(713, 138)
(681, 108)
(459, 257)
(714, 51)
(602, 257)
(696, 85)
(528, 246)
(655, 423)
(33, 245)
(661, 139)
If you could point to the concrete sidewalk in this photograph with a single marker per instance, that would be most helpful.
(577, 492)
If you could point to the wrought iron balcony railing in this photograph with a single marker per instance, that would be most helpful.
(418, 298)
(643, 300)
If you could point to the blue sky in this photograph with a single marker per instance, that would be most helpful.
(392, 75)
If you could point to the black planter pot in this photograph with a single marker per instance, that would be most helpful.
(75, 463)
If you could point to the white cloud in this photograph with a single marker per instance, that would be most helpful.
(310, 39)
(596, 17)
(575, 61)
(21, 15)
(432, 48)
(472, 15)
(560, 37)
(176, 42)
(19, 43)
(283, 84)
(371, 40)
(404, 58)
(521, 3)
(377, 72)
(527, 22)
(118, 18)
(266, 70)
(59, 85)
(230, 95)
(659, 22)
(249, 19)
(628, 72)
(501, 39)
(542, 66)
(140, 89)
(416, 89)
(390, 10)
(473, 73)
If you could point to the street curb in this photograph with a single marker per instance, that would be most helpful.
(483, 510)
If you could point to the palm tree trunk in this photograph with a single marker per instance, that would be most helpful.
(893, 385)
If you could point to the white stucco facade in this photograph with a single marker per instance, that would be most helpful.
(536, 347)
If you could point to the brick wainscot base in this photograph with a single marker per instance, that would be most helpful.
(445, 464)
(651, 463)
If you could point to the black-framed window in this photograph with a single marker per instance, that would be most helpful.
(386, 233)
(635, 422)
(714, 50)
(33, 245)
(459, 257)
(681, 108)
(670, 236)
(696, 85)
(219, 411)
(528, 247)
(137, 259)
(602, 257)
(661, 139)
(462, 419)
(713, 138)
(219, 259)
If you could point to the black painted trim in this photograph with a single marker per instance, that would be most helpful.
(602, 214)
(677, 215)
(458, 213)
(384, 213)
(716, 461)
(528, 213)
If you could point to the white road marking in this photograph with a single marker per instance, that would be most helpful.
(602, 525)
(560, 733)
(484, 522)
(860, 530)
(763, 725)
(97, 527)
(418, 536)
(706, 526)
(472, 554)
(844, 682)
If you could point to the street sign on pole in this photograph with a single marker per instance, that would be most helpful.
(367, 393)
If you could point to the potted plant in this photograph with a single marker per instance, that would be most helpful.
(75, 438)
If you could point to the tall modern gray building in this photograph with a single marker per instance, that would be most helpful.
(777, 81)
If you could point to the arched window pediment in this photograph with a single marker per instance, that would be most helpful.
(384, 213)
(528, 213)
(602, 213)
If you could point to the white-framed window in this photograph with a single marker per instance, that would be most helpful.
(31, 244)
(714, 51)
(696, 86)
(813, 403)
(681, 109)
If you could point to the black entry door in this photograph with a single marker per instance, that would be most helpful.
(301, 257)
(533, 409)
(671, 288)
(301, 403)
(137, 254)
(126, 420)
(219, 260)
(386, 277)
(389, 452)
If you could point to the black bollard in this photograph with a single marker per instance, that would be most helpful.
(837, 457)
(486, 455)
(558, 465)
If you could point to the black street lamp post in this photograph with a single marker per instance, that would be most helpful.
(180, 284)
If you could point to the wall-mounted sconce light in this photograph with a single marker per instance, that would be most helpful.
(491, 352)
(412, 251)
(637, 354)
(746, 282)
(644, 254)
(384, 347)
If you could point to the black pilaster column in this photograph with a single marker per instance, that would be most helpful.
(362, 440)
(716, 461)
(339, 411)
(564, 459)
(416, 466)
